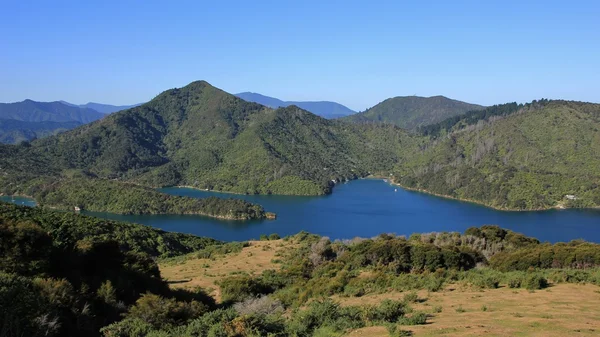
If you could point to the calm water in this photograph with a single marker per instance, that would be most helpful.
(367, 208)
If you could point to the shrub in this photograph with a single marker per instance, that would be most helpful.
(274, 236)
(535, 282)
(410, 297)
(238, 288)
(263, 305)
(419, 318)
(159, 311)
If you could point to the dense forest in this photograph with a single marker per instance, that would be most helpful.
(542, 155)
(63, 274)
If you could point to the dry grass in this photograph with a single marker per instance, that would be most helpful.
(252, 260)
(561, 310)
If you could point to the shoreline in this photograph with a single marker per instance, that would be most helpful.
(479, 203)
(220, 217)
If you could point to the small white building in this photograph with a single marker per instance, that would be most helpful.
(570, 197)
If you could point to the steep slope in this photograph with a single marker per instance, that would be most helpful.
(324, 109)
(410, 112)
(545, 154)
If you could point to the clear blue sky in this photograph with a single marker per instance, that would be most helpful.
(356, 53)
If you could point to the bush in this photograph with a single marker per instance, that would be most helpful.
(160, 312)
(239, 288)
(419, 318)
(535, 282)
(274, 236)
(263, 305)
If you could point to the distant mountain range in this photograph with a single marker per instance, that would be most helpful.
(410, 112)
(103, 108)
(27, 120)
(324, 109)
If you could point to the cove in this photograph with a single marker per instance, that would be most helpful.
(369, 207)
(366, 208)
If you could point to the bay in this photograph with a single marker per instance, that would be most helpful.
(366, 208)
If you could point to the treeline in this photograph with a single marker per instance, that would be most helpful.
(572, 255)
(473, 117)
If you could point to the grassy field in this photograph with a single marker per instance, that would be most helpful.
(252, 260)
(560, 310)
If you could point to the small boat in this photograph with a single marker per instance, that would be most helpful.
(395, 190)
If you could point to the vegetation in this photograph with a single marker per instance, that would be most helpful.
(542, 155)
(123, 198)
(410, 112)
(518, 157)
(66, 229)
(66, 274)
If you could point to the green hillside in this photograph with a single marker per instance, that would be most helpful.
(203, 137)
(410, 112)
(531, 159)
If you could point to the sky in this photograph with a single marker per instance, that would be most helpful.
(357, 53)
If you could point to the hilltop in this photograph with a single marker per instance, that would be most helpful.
(325, 109)
(410, 112)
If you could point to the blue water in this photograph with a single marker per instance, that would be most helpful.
(18, 200)
(367, 208)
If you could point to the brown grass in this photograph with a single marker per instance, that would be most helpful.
(561, 310)
(204, 273)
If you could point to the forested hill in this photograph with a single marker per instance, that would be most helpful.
(203, 137)
(410, 112)
(545, 154)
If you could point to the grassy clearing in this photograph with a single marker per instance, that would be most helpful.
(205, 272)
(561, 310)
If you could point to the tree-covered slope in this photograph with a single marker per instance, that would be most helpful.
(410, 112)
(203, 137)
(545, 154)
(325, 109)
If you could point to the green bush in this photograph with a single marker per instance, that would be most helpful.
(535, 282)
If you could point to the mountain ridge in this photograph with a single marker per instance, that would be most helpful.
(326, 109)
